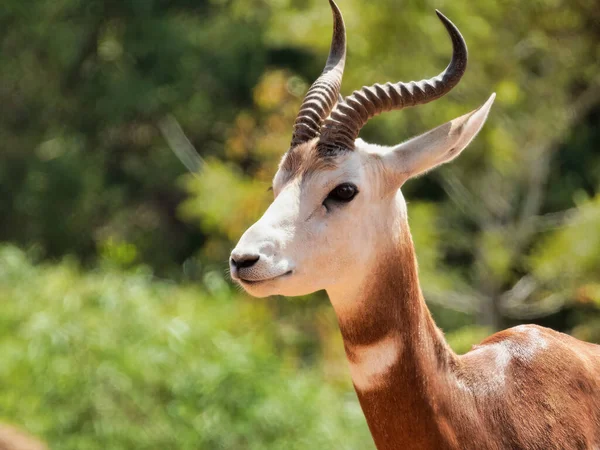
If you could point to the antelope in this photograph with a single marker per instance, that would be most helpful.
(338, 222)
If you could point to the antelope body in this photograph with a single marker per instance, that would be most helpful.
(339, 223)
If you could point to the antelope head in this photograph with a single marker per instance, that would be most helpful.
(338, 206)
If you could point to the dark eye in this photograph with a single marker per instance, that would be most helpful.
(343, 193)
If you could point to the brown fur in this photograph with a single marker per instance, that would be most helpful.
(549, 397)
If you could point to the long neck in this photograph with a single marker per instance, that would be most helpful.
(400, 364)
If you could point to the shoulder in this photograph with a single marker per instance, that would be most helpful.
(536, 336)
(534, 346)
(522, 334)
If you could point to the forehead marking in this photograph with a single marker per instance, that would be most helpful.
(304, 160)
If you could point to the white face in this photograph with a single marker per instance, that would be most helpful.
(324, 223)
(317, 234)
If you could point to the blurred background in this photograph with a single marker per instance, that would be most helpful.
(119, 327)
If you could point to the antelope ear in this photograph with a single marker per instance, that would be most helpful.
(436, 147)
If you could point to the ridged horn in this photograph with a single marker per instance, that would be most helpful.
(323, 94)
(341, 129)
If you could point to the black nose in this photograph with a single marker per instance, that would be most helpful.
(244, 260)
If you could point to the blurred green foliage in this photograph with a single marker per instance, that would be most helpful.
(121, 361)
(101, 354)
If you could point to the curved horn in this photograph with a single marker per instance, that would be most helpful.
(341, 129)
(323, 94)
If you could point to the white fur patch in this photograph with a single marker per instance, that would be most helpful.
(371, 363)
(502, 353)
(494, 373)
(535, 342)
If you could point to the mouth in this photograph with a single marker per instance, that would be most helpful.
(255, 282)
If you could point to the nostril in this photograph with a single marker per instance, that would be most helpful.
(244, 261)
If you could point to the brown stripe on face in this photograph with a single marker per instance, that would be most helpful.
(305, 159)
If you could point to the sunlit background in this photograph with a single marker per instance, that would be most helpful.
(119, 327)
